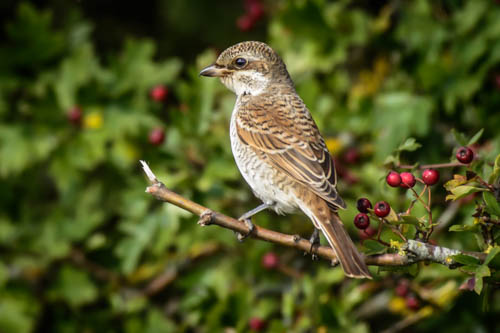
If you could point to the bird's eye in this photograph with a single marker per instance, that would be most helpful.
(240, 62)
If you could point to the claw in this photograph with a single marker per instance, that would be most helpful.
(334, 262)
(314, 239)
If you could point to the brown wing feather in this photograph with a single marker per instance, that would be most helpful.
(285, 131)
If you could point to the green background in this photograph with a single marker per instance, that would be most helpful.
(80, 241)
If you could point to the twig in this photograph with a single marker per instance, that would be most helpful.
(431, 166)
(415, 251)
(431, 225)
(447, 216)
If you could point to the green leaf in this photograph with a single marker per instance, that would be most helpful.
(75, 72)
(496, 171)
(460, 228)
(409, 145)
(469, 269)
(492, 205)
(463, 191)
(493, 252)
(476, 137)
(478, 285)
(410, 219)
(409, 230)
(392, 217)
(74, 287)
(485, 297)
(397, 116)
(16, 313)
(481, 272)
(391, 159)
(33, 41)
(373, 247)
(459, 137)
(157, 322)
(466, 260)
(456, 181)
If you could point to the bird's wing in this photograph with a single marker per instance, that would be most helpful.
(281, 130)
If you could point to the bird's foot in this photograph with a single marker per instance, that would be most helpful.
(206, 218)
(334, 262)
(248, 222)
(315, 242)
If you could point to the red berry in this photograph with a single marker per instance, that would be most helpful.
(245, 23)
(256, 324)
(393, 179)
(255, 10)
(157, 136)
(382, 209)
(367, 233)
(402, 288)
(430, 176)
(363, 204)
(412, 302)
(270, 260)
(159, 93)
(351, 156)
(465, 155)
(362, 221)
(75, 116)
(407, 180)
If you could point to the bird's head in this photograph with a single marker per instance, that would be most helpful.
(249, 68)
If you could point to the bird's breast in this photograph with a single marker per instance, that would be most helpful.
(268, 184)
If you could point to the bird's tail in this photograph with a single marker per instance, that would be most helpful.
(332, 227)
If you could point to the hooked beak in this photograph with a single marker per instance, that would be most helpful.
(213, 71)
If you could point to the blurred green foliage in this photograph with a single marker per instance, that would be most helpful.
(81, 243)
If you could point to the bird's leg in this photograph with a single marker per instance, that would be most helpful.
(315, 241)
(247, 219)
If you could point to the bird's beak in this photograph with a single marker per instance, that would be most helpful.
(213, 71)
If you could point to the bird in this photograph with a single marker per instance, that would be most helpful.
(278, 148)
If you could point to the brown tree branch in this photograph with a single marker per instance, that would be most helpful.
(411, 252)
(431, 166)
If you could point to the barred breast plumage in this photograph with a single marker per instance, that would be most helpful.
(270, 186)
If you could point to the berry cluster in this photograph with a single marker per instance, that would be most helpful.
(362, 220)
(253, 12)
(408, 180)
(381, 210)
